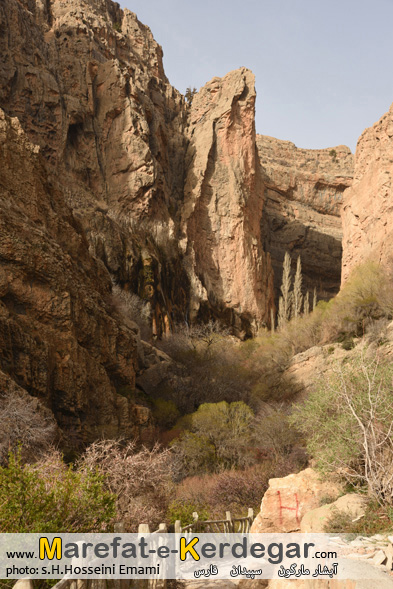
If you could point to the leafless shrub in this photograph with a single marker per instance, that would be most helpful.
(376, 331)
(272, 433)
(233, 490)
(141, 480)
(208, 366)
(24, 420)
(133, 308)
(348, 421)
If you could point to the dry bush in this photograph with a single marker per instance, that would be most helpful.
(217, 437)
(265, 360)
(233, 490)
(367, 296)
(348, 423)
(376, 331)
(24, 420)
(132, 308)
(210, 367)
(199, 339)
(304, 332)
(141, 479)
(272, 432)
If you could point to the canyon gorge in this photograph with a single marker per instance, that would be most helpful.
(110, 178)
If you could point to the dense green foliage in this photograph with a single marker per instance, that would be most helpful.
(215, 437)
(34, 499)
(183, 510)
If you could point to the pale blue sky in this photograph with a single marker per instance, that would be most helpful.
(323, 68)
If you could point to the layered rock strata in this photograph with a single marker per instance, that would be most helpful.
(304, 194)
(222, 210)
(60, 339)
(367, 214)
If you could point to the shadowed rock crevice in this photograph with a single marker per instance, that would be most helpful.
(303, 199)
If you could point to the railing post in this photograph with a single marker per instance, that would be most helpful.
(230, 522)
(163, 528)
(195, 517)
(143, 529)
(177, 526)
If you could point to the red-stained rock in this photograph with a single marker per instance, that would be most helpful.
(288, 499)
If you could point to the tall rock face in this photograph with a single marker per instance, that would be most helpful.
(109, 177)
(367, 214)
(222, 210)
(304, 194)
(87, 83)
(60, 340)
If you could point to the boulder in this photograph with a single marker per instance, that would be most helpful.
(315, 520)
(288, 499)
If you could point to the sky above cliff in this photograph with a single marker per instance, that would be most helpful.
(323, 68)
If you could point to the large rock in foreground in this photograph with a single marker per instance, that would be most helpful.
(288, 499)
(351, 505)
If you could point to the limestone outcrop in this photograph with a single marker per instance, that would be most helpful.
(303, 190)
(60, 340)
(351, 505)
(288, 499)
(222, 209)
(142, 172)
(87, 83)
(367, 214)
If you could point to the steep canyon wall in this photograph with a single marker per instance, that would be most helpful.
(304, 194)
(108, 176)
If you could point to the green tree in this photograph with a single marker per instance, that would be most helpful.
(51, 497)
(190, 93)
(217, 438)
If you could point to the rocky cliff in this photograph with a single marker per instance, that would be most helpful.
(304, 194)
(367, 214)
(60, 340)
(142, 172)
(222, 208)
(87, 83)
(109, 177)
